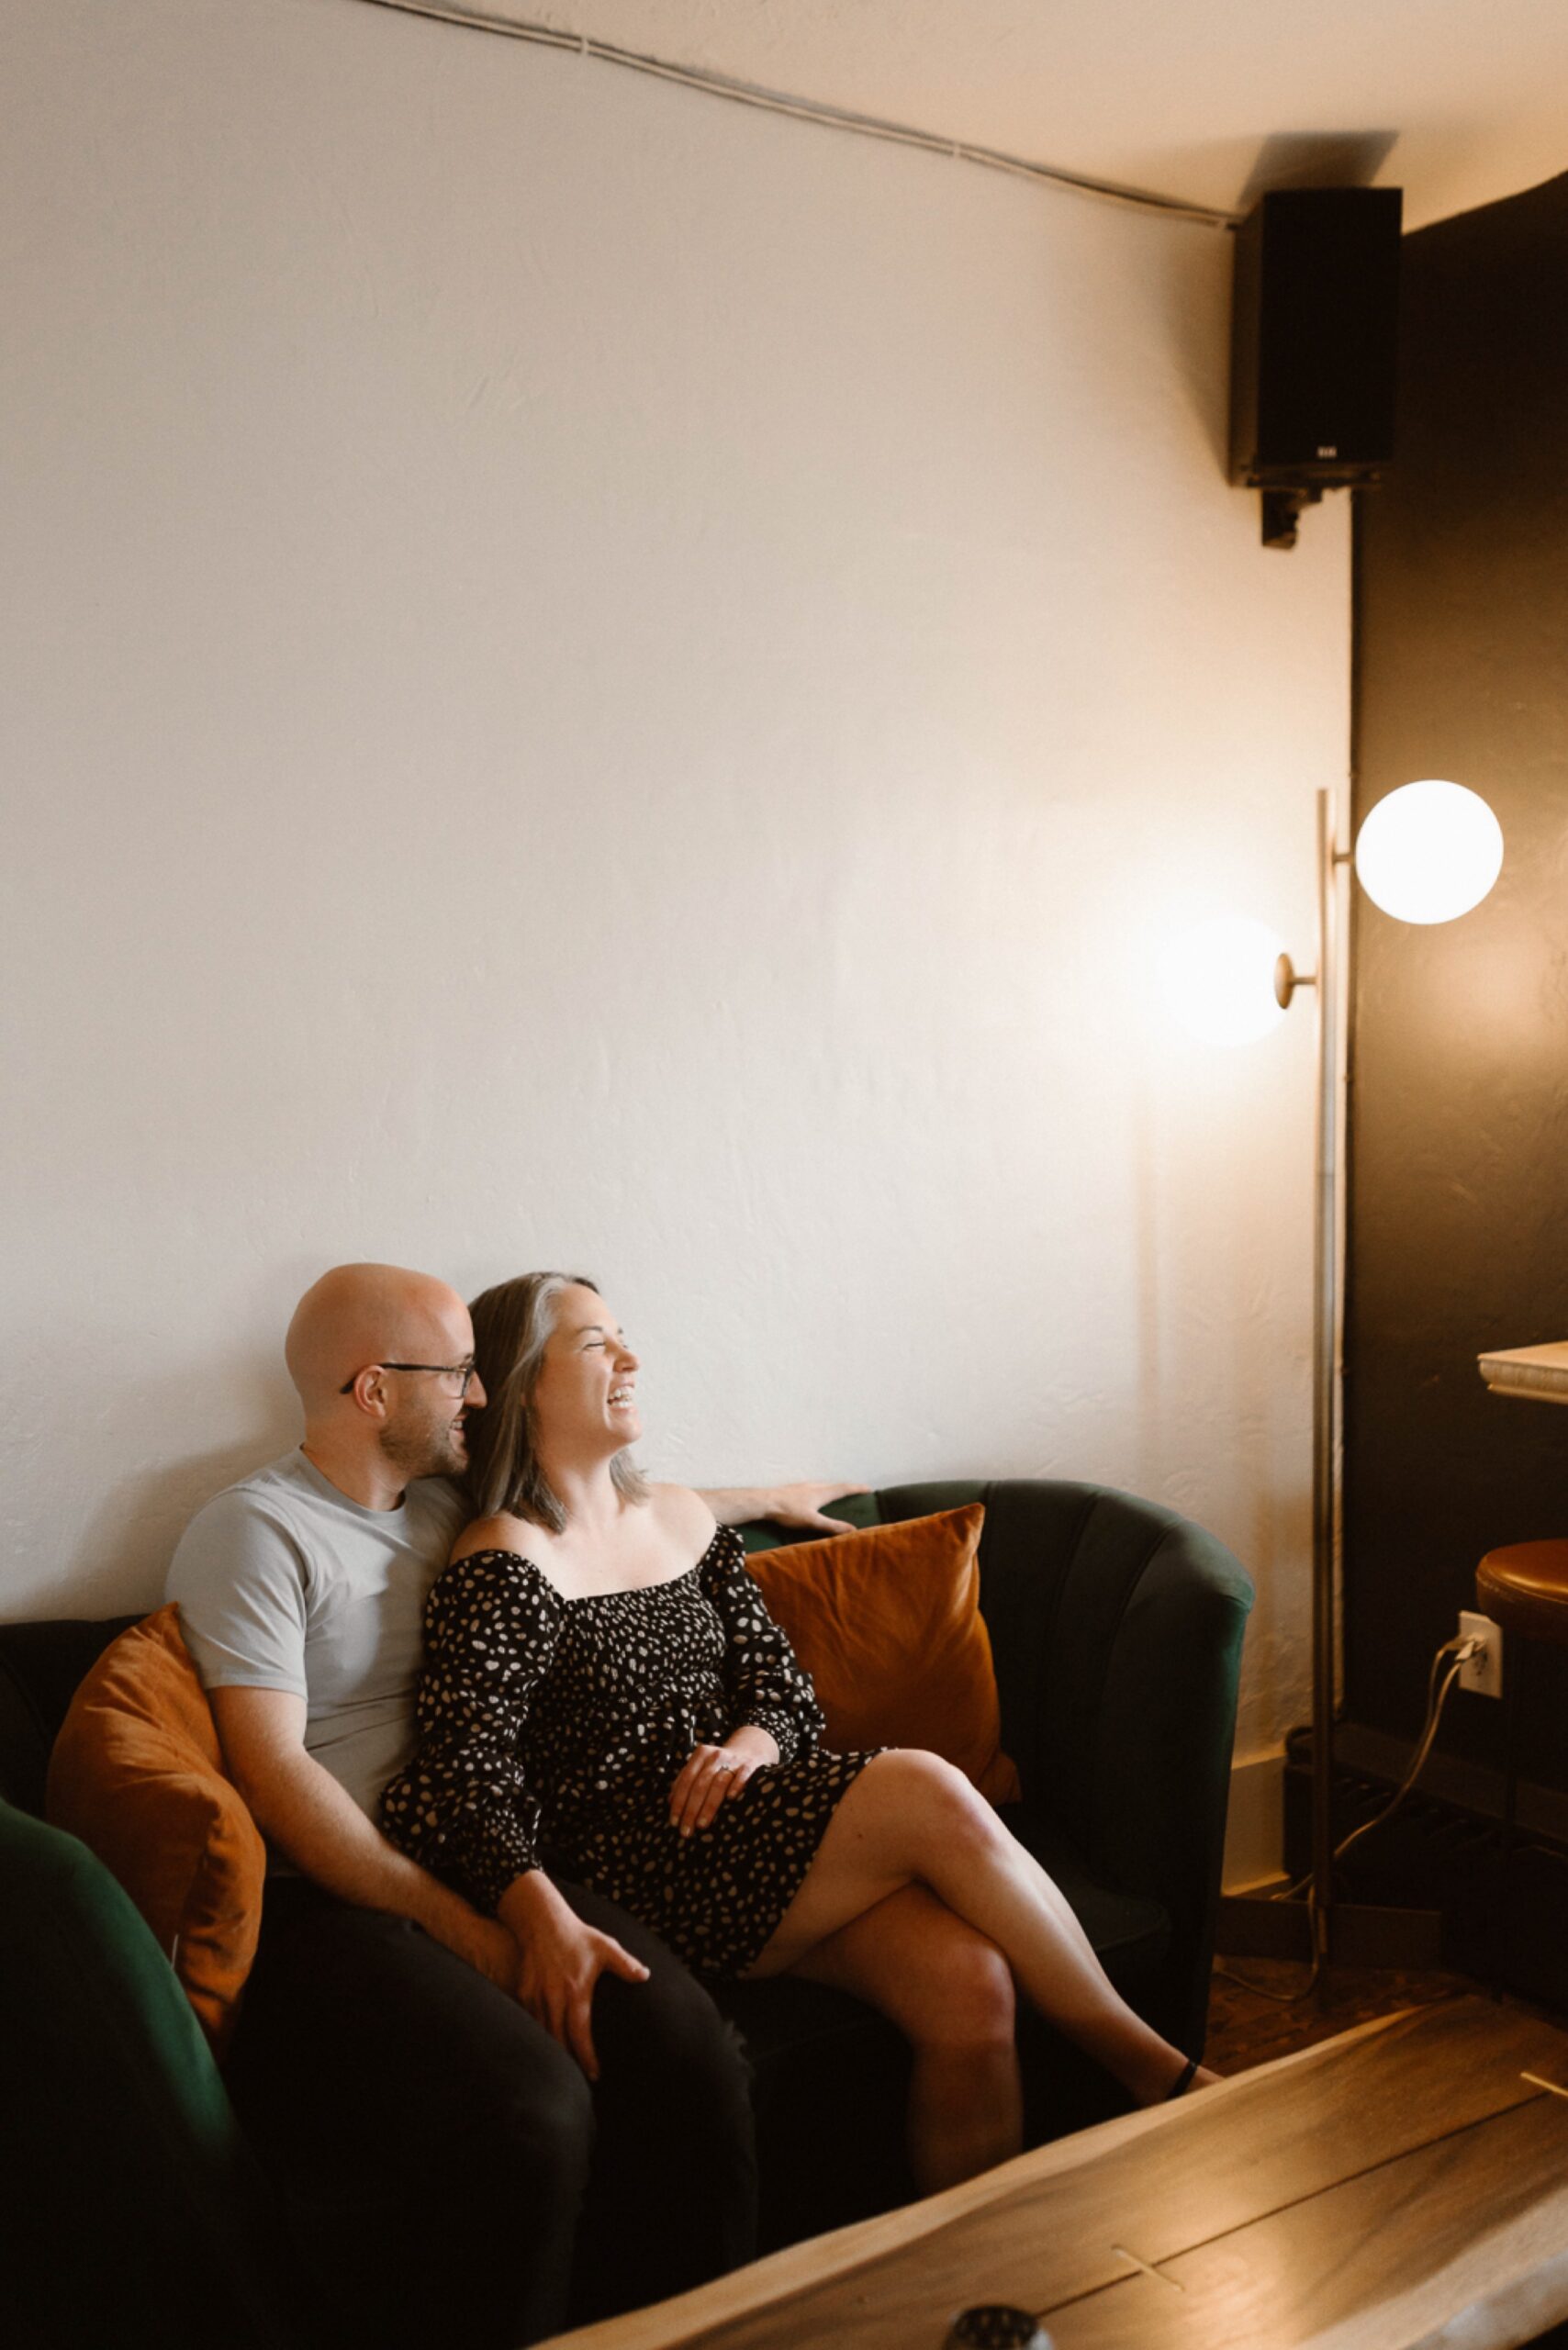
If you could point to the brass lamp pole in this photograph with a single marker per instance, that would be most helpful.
(1325, 1931)
(1325, 985)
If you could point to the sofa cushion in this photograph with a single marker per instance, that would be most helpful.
(1130, 1932)
(888, 1623)
(137, 1775)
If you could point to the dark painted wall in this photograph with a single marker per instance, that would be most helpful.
(1458, 1040)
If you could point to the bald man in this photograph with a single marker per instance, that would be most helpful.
(452, 2174)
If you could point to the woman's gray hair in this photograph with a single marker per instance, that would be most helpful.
(512, 1325)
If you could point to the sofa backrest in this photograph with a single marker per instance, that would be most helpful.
(40, 1665)
(1117, 1628)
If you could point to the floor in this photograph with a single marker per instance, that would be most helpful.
(1248, 2026)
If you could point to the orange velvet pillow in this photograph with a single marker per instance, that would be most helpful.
(888, 1624)
(137, 1773)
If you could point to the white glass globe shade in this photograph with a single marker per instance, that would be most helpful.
(1429, 852)
(1221, 980)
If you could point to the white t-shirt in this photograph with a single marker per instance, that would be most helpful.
(283, 1582)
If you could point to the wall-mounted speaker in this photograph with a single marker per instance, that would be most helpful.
(1314, 340)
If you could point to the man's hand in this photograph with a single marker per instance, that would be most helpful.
(559, 1960)
(804, 1505)
(711, 1774)
(799, 1505)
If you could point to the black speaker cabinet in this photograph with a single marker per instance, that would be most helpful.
(1314, 334)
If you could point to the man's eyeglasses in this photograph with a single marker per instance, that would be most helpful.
(457, 1377)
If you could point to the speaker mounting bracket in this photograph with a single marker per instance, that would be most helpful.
(1283, 511)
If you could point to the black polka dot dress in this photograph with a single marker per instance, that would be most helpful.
(551, 1731)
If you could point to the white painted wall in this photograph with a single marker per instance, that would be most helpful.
(599, 678)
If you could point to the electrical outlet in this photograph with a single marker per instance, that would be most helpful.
(1484, 1671)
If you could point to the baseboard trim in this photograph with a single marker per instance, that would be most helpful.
(1255, 1824)
(1475, 1787)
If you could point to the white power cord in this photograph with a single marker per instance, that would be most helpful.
(1461, 1649)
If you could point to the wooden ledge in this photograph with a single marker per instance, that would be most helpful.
(1367, 2190)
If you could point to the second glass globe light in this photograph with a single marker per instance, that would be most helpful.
(1429, 852)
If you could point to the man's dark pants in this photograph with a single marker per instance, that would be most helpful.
(448, 2173)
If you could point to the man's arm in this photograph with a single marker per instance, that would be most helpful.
(800, 1505)
(315, 1823)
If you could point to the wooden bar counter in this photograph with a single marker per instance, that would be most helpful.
(1405, 2184)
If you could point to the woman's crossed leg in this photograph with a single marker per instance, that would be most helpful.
(911, 1819)
(949, 1991)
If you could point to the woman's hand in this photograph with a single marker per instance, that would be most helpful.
(713, 1774)
(560, 1959)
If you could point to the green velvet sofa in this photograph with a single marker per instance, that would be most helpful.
(136, 2214)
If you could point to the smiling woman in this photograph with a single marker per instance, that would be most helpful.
(513, 1324)
(605, 1694)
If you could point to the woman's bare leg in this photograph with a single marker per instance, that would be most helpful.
(949, 1991)
(912, 1818)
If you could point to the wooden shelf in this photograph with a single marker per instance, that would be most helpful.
(1537, 1374)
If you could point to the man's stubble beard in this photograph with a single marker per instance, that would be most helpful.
(423, 1451)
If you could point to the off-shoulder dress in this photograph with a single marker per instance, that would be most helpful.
(551, 1731)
